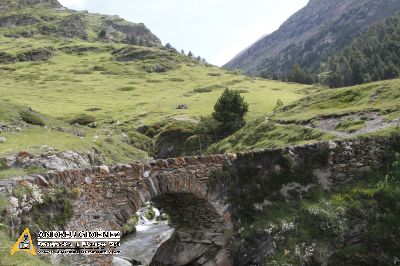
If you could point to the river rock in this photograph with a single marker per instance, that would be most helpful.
(120, 262)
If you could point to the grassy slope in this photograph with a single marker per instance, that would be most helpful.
(95, 83)
(383, 96)
(262, 134)
(60, 135)
(125, 91)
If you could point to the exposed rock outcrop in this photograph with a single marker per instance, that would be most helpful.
(73, 27)
(38, 54)
(23, 20)
(136, 33)
(53, 160)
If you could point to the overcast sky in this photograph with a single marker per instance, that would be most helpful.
(214, 29)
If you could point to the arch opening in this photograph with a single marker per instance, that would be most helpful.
(200, 234)
(195, 234)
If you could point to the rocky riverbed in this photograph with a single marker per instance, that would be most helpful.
(139, 248)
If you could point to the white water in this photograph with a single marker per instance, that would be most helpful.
(150, 234)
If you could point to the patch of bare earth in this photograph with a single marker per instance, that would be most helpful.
(373, 122)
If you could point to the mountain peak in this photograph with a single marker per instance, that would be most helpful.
(27, 3)
(312, 35)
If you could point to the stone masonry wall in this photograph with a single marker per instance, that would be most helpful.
(109, 196)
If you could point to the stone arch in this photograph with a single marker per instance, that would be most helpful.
(200, 217)
(109, 196)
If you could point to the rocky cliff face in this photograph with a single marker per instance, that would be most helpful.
(30, 3)
(312, 34)
(52, 19)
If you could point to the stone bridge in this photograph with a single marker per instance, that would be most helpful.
(204, 216)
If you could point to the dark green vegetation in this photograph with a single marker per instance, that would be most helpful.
(229, 112)
(227, 118)
(130, 226)
(83, 120)
(55, 211)
(314, 35)
(31, 118)
(48, 211)
(356, 225)
(374, 55)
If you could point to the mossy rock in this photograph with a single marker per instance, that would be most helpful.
(83, 119)
(31, 118)
(150, 213)
(130, 226)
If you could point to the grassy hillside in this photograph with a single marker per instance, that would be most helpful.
(96, 81)
(66, 64)
(326, 114)
(383, 97)
(23, 136)
(33, 18)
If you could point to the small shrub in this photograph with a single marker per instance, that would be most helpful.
(109, 140)
(56, 210)
(214, 74)
(140, 141)
(31, 118)
(83, 119)
(177, 80)
(130, 226)
(82, 71)
(328, 218)
(208, 88)
(229, 111)
(93, 109)
(3, 164)
(279, 104)
(203, 90)
(127, 89)
(163, 217)
(3, 205)
(99, 68)
(153, 81)
(150, 213)
(75, 193)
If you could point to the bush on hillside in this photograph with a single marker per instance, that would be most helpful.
(229, 111)
(31, 118)
(83, 119)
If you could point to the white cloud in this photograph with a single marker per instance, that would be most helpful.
(74, 4)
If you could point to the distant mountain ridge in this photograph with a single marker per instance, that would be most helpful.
(30, 18)
(312, 35)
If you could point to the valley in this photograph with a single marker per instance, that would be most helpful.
(99, 121)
